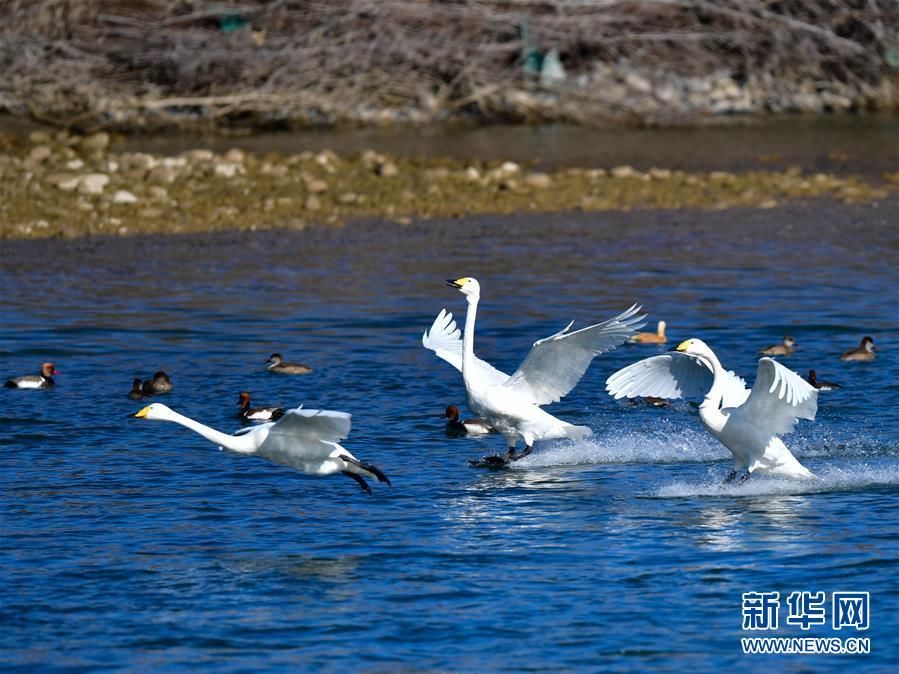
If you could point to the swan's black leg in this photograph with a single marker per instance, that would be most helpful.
(374, 470)
(744, 477)
(495, 461)
(527, 450)
(359, 479)
(731, 476)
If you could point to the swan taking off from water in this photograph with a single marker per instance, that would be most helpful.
(747, 422)
(553, 367)
(302, 439)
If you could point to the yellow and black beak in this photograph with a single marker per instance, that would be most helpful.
(683, 345)
(142, 413)
(454, 284)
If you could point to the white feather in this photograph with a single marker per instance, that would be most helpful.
(747, 422)
(303, 438)
(556, 364)
(511, 405)
(674, 375)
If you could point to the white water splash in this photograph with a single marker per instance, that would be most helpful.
(664, 446)
(830, 479)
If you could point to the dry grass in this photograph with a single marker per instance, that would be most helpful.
(90, 63)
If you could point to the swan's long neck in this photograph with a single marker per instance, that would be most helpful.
(468, 337)
(239, 443)
(710, 409)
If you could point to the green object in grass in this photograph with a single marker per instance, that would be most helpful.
(228, 23)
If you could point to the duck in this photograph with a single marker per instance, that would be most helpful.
(821, 385)
(277, 364)
(160, 383)
(864, 352)
(785, 348)
(248, 413)
(657, 337)
(136, 392)
(554, 366)
(747, 422)
(42, 380)
(467, 427)
(304, 439)
(652, 401)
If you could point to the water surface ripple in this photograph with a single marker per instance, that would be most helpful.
(134, 546)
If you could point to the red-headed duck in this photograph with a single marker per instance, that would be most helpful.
(820, 385)
(42, 380)
(468, 427)
(248, 413)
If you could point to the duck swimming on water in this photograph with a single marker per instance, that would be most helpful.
(864, 352)
(785, 348)
(821, 385)
(160, 383)
(468, 427)
(277, 364)
(248, 413)
(42, 380)
(657, 337)
(136, 392)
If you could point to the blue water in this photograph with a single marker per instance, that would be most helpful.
(137, 546)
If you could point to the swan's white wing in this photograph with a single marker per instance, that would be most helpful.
(779, 399)
(674, 375)
(445, 339)
(556, 364)
(303, 438)
(313, 424)
(669, 375)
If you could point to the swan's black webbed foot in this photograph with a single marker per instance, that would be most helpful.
(374, 470)
(359, 479)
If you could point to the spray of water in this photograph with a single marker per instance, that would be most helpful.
(666, 443)
(833, 478)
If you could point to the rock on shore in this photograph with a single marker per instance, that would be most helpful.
(62, 185)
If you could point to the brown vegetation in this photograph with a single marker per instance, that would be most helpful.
(130, 63)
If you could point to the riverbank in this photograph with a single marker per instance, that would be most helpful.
(62, 185)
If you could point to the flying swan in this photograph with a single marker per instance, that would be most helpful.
(302, 439)
(747, 422)
(553, 367)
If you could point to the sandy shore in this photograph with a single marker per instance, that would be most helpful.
(54, 185)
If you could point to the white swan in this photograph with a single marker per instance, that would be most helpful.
(747, 422)
(302, 439)
(553, 367)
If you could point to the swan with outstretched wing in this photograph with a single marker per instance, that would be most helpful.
(748, 423)
(303, 439)
(554, 366)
